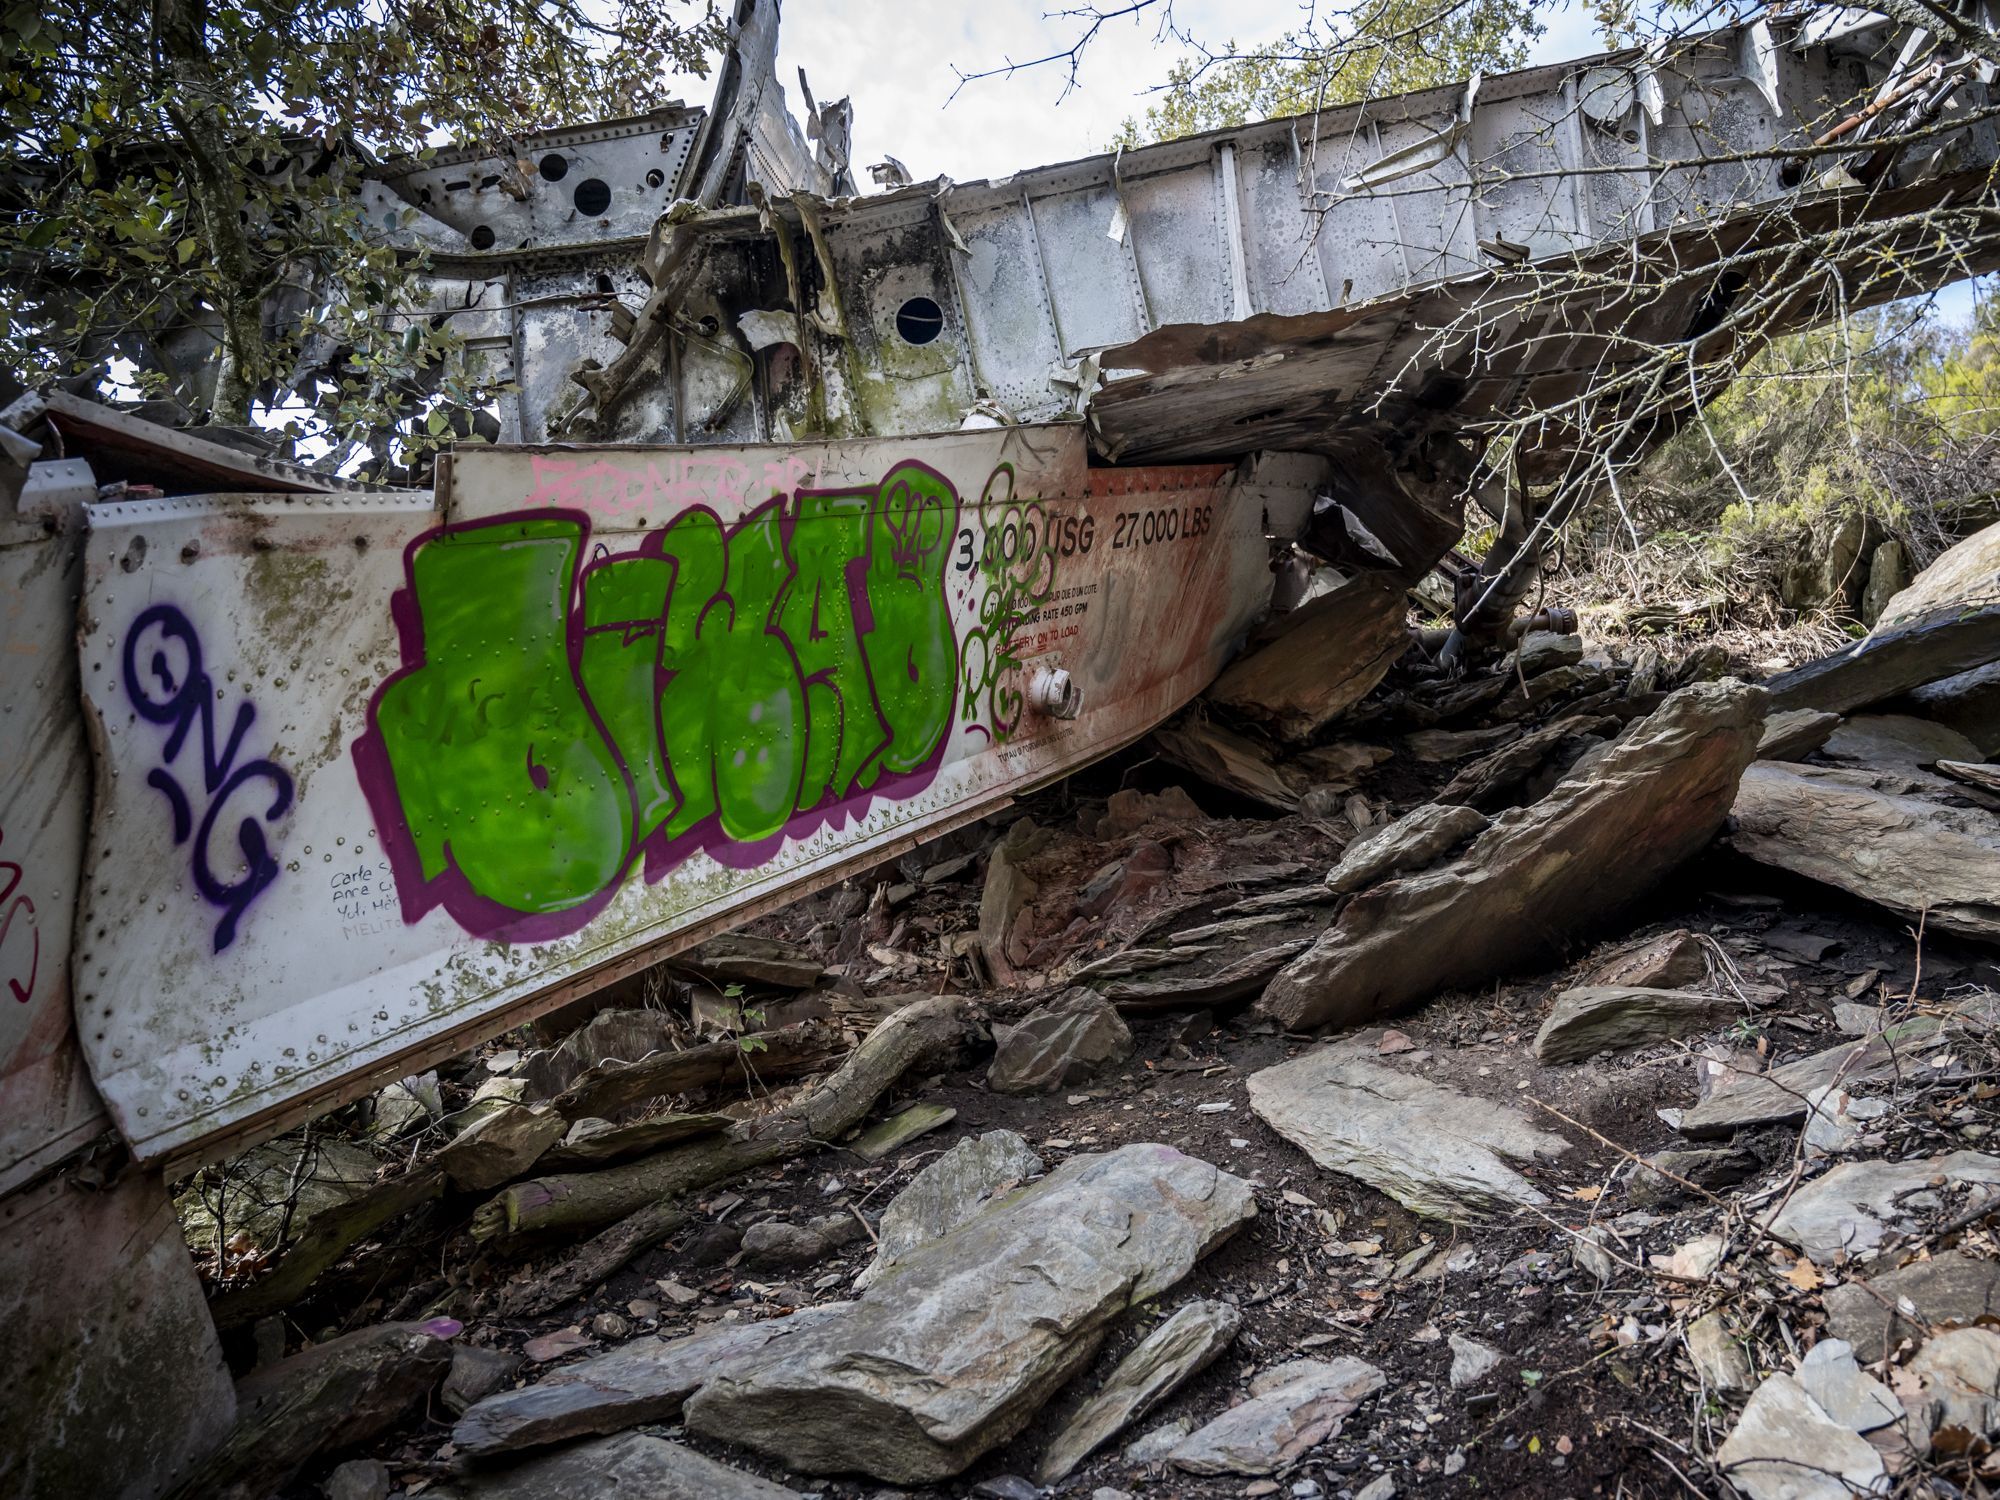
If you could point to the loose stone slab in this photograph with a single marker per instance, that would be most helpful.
(1674, 960)
(643, 1381)
(1832, 1377)
(1436, 1151)
(1291, 1410)
(1781, 1095)
(1959, 1381)
(1413, 842)
(1854, 1207)
(1880, 835)
(1785, 1447)
(1060, 1044)
(1156, 1367)
(1794, 733)
(502, 1146)
(1471, 1361)
(1624, 815)
(1717, 1354)
(1602, 1018)
(954, 1351)
(948, 1192)
(631, 1466)
(899, 1130)
(1950, 1289)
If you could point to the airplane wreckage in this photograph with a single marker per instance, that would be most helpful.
(816, 525)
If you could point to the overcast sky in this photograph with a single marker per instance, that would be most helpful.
(894, 58)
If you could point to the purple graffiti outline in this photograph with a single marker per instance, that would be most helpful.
(484, 917)
(192, 700)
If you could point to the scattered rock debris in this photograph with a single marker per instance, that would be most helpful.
(1036, 1162)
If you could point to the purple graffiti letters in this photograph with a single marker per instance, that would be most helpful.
(167, 685)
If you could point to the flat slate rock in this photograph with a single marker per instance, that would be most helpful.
(645, 1380)
(1291, 1410)
(1794, 733)
(899, 1130)
(1327, 655)
(1673, 960)
(1413, 842)
(954, 1351)
(1958, 1375)
(949, 1191)
(1611, 1018)
(631, 1466)
(1235, 980)
(1438, 1152)
(1899, 742)
(1780, 1096)
(1625, 814)
(1158, 1364)
(1833, 1377)
(1968, 702)
(1855, 1207)
(1946, 622)
(1785, 1447)
(738, 958)
(1949, 1289)
(1061, 1044)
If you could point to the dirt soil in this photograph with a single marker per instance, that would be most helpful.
(1594, 1395)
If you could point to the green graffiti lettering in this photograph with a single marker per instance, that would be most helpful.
(707, 687)
(911, 654)
(816, 613)
(499, 768)
(693, 545)
(756, 703)
(624, 630)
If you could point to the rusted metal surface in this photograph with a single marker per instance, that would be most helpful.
(378, 777)
(48, 1107)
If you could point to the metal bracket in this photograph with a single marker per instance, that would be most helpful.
(1418, 156)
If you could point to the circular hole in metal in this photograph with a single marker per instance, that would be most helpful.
(593, 196)
(919, 320)
(655, 178)
(554, 167)
(482, 236)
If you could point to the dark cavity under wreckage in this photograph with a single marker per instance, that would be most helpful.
(818, 524)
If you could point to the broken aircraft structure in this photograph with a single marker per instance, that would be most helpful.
(817, 525)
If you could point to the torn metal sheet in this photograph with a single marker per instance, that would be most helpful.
(126, 447)
(1386, 220)
(48, 1107)
(378, 778)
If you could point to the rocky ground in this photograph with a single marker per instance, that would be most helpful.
(1569, 1078)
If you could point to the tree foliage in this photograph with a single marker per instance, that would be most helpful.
(1882, 426)
(1373, 49)
(173, 169)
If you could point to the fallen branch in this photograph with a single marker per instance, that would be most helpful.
(584, 1201)
(330, 1235)
(604, 1254)
(788, 1052)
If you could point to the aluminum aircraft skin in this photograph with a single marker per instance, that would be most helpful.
(817, 524)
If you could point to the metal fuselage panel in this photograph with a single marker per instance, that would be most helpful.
(378, 778)
(47, 1104)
